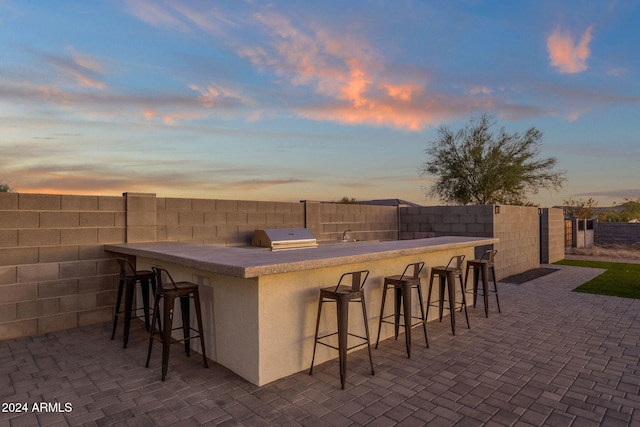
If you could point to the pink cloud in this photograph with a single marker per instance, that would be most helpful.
(343, 69)
(567, 56)
(402, 92)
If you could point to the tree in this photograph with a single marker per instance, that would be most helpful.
(348, 201)
(474, 166)
(628, 211)
(581, 209)
(5, 188)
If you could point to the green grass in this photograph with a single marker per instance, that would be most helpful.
(620, 279)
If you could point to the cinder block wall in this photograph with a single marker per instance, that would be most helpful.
(53, 272)
(435, 221)
(551, 235)
(222, 222)
(366, 222)
(518, 228)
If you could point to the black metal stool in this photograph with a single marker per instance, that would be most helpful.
(483, 265)
(342, 295)
(129, 276)
(403, 284)
(447, 277)
(169, 291)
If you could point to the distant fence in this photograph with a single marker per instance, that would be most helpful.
(617, 233)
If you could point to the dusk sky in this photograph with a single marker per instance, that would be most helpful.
(291, 100)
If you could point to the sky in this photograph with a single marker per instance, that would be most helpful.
(289, 100)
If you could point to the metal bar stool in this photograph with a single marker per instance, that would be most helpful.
(129, 276)
(483, 265)
(169, 291)
(342, 295)
(403, 284)
(447, 277)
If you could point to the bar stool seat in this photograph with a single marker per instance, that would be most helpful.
(447, 275)
(483, 266)
(342, 295)
(129, 277)
(169, 291)
(403, 285)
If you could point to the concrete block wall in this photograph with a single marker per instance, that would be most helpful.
(222, 222)
(435, 221)
(54, 273)
(518, 228)
(366, 222)
(552, 236)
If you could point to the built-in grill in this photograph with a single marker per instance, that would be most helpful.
(284, 238)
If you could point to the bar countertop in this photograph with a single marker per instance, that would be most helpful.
(251, 262)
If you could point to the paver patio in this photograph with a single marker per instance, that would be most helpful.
(552, 357)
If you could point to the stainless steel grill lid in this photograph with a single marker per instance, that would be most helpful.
(284, 238)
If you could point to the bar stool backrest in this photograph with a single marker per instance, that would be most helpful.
(489, 255)
(126, 267)
(417, 268)
(357, 280)
(458, 262)
(163, 272)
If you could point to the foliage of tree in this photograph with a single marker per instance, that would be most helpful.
(5, 188)
(348, 201)
(475, 166)
(581, 209)
(627, 211)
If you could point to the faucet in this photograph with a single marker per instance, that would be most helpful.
(344, 234)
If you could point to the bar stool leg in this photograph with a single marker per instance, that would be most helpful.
(117, 308)
(476, 278)
(452, 300)
(196, 300)
(464, 302)
(315, 339)
(495, 287)
(343, 322)
(485, 288)
(429, 295)
(169, 300)
(443, 284)
(145, 301)
(406, 303)
(466, 279)
(155, 318)
(185, 309)
(129, 287)
(366, 329)
(384, 299)
(424, 317)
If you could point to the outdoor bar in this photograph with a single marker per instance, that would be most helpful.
(260, 306)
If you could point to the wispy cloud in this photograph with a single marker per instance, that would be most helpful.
(324, 74)
(352, 80)
(263, 184)
(81, 68)
(565, 54)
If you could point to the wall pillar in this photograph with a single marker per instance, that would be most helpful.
(142, 217)
(312, 217)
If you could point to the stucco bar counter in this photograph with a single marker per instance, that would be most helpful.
(260, 306)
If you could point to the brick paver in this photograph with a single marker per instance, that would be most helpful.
(552, 357)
